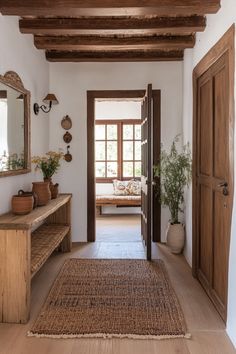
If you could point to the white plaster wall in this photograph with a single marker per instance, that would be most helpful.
(104, 188)
(117, 110)
(19, 54)
(187, 137)
(217, 25)
(70, 82)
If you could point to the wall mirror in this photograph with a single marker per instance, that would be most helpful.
(14, 126)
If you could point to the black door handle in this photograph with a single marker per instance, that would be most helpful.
(224, 185)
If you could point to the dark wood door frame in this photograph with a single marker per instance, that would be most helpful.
(91, 181)
(224, 45)
(147, 171)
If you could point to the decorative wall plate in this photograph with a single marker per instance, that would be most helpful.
(66, 123)
(68, 156)
(67, 137)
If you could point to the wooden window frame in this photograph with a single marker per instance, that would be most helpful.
(119, 123)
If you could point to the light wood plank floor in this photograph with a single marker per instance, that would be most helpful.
(118, 228)
(204, 323)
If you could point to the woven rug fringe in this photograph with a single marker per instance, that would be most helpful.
(107, 336)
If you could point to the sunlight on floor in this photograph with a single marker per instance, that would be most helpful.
(118, 228)
(119, 236)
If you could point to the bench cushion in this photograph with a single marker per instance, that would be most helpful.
(118, 199)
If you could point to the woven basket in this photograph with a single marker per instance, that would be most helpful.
(22, 204)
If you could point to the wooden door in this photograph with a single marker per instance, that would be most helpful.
(147, 174)
(213, 182)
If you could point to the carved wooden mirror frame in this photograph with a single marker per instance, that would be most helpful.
(13, 80)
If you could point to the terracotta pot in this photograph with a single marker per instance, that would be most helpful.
(53, 187)
(22, 204)
(175, 237)
(43, 192)
(55, 191)
(23, 193)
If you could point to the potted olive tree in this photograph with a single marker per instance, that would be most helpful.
(174, 171)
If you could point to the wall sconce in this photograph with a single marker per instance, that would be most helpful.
(20, 97)
(50, 99)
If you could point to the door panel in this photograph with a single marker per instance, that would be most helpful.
(222, 210)
(205, 121)
(213, 189)
(205, 247)
(147, 174)
(219, 283)
(220, 126)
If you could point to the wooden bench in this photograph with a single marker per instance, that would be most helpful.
(26, 242)
(117, 200)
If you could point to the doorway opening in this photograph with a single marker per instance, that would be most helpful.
(117, 159)
(118, 170)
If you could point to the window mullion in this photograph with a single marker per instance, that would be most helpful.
(133, 151)
(120, 150)
(106, 150)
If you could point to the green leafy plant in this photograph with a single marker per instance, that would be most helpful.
(174, 171)
(48, 164)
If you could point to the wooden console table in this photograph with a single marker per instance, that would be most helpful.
(24, 251)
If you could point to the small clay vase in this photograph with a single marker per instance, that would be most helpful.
(53, 187)
(54, 191)
(49, 179)
(22, 204)
(43, 192)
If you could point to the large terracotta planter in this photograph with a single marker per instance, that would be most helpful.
(175, 237)
(43, 192)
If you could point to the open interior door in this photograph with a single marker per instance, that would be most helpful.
(147, 171)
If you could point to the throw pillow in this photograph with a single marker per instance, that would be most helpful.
(134, 187)
(120, 187)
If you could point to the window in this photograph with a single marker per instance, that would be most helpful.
(106, 149)
(117, 149)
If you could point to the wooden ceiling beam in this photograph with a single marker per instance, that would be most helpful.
(114, 56)
(67, 43)
(107, 7)
(119, 25)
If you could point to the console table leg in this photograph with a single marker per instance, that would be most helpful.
(15, 275)
(63, 216)
(66, 243)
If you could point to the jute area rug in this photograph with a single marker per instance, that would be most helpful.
(111, 298)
